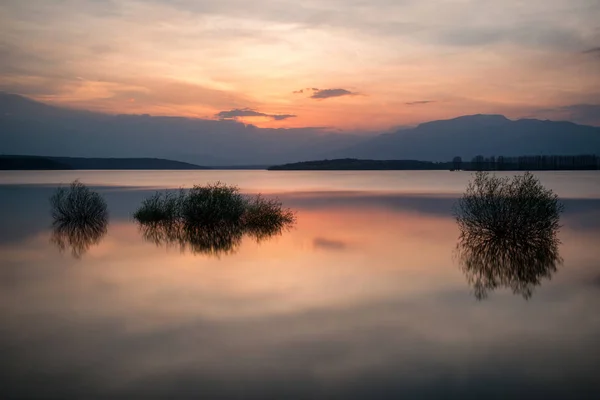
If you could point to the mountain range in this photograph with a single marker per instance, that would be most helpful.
(33, 128)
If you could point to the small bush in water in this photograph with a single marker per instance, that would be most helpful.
(211, 219)
(80, 218)
(77, 204)
(213, 205)
(266, 217)
(161, 207)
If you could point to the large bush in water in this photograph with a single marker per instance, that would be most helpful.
(508, 233)
(511, 209)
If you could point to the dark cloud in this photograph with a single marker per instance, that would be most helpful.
(248, 112)
(416, 103)
(523, 34)
(329, 244)
(588, 114)
(595, 51)
(300, 91)
(327, 93)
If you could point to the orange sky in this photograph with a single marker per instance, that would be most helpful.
(376, 64)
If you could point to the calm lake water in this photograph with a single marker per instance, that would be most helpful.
(363, 299)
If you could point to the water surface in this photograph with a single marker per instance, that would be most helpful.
(363, 299)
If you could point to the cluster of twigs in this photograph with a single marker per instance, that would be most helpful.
(80, 218)
(210, 219)
(508, 233)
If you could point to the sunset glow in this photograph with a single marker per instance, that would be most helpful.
(398, 63)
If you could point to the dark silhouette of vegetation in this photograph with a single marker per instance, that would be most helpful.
(534, 163)
(213, 205)
(508, 233)
(161, 207)
(457, 163)
(210, 219)
(479, 163)
(349, 164)
(80, 218)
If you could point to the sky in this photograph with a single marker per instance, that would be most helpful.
(351, 65)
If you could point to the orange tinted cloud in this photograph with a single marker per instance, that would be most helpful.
(198, 59)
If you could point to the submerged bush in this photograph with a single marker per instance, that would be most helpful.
(160, 207)
(210, 219)
(80, 218)
(517, 209)
(213, 205)
(77, 204)
(508, 232)
(266, 217)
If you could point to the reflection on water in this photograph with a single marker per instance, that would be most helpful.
(490, 264)
(508, 233)
(214, 240)
(80, 218)
(78, 236)
(361, 300)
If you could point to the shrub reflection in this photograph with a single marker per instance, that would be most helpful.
(490, 264)
(78, 236)
(80, 218)
(508, 233)
(210, 219)
(212, 240)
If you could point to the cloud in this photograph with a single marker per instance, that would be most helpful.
(416, 103)
(595, 51)
(328, 244)
(588, 114)
(248, 112)
(328, 93)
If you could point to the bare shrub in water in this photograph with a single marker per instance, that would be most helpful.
(213, 205)
(267, 217)
(80, 218)
(517, 209)
(508, 233)
(210, 219)
(161, 207)
(77, 203)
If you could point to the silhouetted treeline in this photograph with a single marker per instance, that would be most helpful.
(531, 163)
(479, 163)
(347, 164)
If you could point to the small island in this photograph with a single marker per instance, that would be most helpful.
(353, 164)
(478, 163)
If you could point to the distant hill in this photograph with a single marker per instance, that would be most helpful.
(485, 135)
(31, 127)
(57, 163)
(348, 164)
(30, 163)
